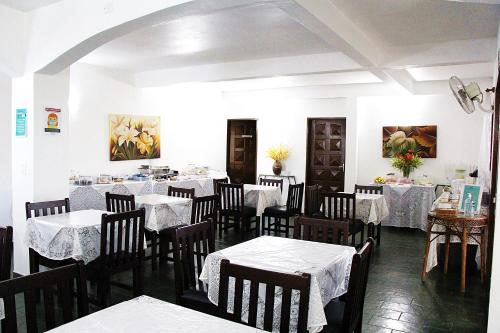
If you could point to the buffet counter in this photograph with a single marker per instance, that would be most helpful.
(93, 196)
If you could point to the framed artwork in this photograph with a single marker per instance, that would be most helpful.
(133, 137)
(476, 191)
(422, 139)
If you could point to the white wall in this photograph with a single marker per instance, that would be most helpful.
(458, 134)
(6, 161)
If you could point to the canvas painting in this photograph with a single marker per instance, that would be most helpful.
(133, 137)
(421, 139)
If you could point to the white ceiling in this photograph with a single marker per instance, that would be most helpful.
(436, 73)
(27, 5)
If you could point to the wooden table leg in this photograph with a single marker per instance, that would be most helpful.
(447, 251)
(464, 259)
(426, 254)
(483, 254)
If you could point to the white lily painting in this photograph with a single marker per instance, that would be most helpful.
(133, 137)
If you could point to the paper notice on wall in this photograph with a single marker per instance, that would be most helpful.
(53, 123)
(21, 122)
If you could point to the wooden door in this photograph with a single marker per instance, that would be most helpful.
(241, 160)
(326, 153)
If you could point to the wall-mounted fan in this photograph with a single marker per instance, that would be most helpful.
(466, 95)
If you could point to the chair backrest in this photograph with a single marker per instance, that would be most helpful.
(6, 247)
(122, 240)
(340, 206)
(119, 203)
(180, 192)
(321, 230)
(356, 291)
(63, 278)
(204, 208)
(294, 199)
(216, 181)
(313, 200)
(232, 199)
(290, 284)
(47, 208)
(192, 244)
(370, 189)
(272, 182)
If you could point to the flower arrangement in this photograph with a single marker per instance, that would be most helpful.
(134, 137)
(278, 154)
(406, 161)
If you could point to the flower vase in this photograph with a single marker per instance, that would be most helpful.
(277, 167)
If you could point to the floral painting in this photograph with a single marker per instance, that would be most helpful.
(421, 139)
(133, 137)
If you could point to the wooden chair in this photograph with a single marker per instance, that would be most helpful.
(232, 206)
(347, 316)
(179, 192)
(292, 208)
(271, 182)
(63, 278)
(217, 181)
(45, 208)
(371, 189)
(321, 230)
(122, 249)
(312, 206)
(119, 203)
(6, 247)
(342, 206)
(192, 244)
(254, 276)
(204, 208)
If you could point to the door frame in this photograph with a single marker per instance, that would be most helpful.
(228, 138)
(308, 154)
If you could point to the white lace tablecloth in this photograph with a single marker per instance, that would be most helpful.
(147, 314)
(408, 205)
(370, 208)
(261, 197)
(329, 266)
(163, 211)
(70, 235)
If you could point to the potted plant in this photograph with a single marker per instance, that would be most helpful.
(278, 154)
(406, 161)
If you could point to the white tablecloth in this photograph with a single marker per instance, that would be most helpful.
(408, 205)
(261, 197)
(329, 266)
(147, 314)
(370, 208)
(70, 235)
(164, 211)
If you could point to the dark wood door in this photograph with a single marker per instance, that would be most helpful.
(326, 153)
(241, 160)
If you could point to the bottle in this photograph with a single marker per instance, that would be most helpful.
(468, 206)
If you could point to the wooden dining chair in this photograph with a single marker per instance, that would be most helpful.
(342, 206)
(312, 205)
(288, 284)
(232, 209)
(62, 278)
(119, 203)
(271, 182)
(346, 316)
(179, 192)
(371, 189)
(121, 249)
(192, 244)
(6, 248)
(204, 208)
(216, 182)
(45, 208)
(321, 230)
(292, 208)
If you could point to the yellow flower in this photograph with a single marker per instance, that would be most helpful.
(127, 135)
(145, 143)
(278, 153)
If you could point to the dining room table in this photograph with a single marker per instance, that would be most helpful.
(261, 196)
(328, 264)
(151, 315)
(163, 211)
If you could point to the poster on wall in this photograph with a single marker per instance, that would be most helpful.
(21, 122)
(133, 137)
(53, 124)
(421, 139)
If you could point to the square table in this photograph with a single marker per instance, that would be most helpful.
(328, 264)
(151, 315)
(261, 197)
(164, 211)
(74, 235)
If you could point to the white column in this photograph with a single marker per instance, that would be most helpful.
(6, 150)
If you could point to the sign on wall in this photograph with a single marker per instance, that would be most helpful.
(53, 124)
(21, 122)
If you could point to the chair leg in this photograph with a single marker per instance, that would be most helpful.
(102, 291)
(287, 226)
(154, 254)
(257, 226)
(362, 236)
(34, 268)
(359, 326)
(379, 230)
(138, 281)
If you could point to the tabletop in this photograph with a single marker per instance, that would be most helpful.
(164, 211)
(328, 264)
(145, 313)
(261, 197)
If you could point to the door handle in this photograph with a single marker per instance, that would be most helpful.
(343, 167)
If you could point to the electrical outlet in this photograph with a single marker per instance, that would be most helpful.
(109, 7)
